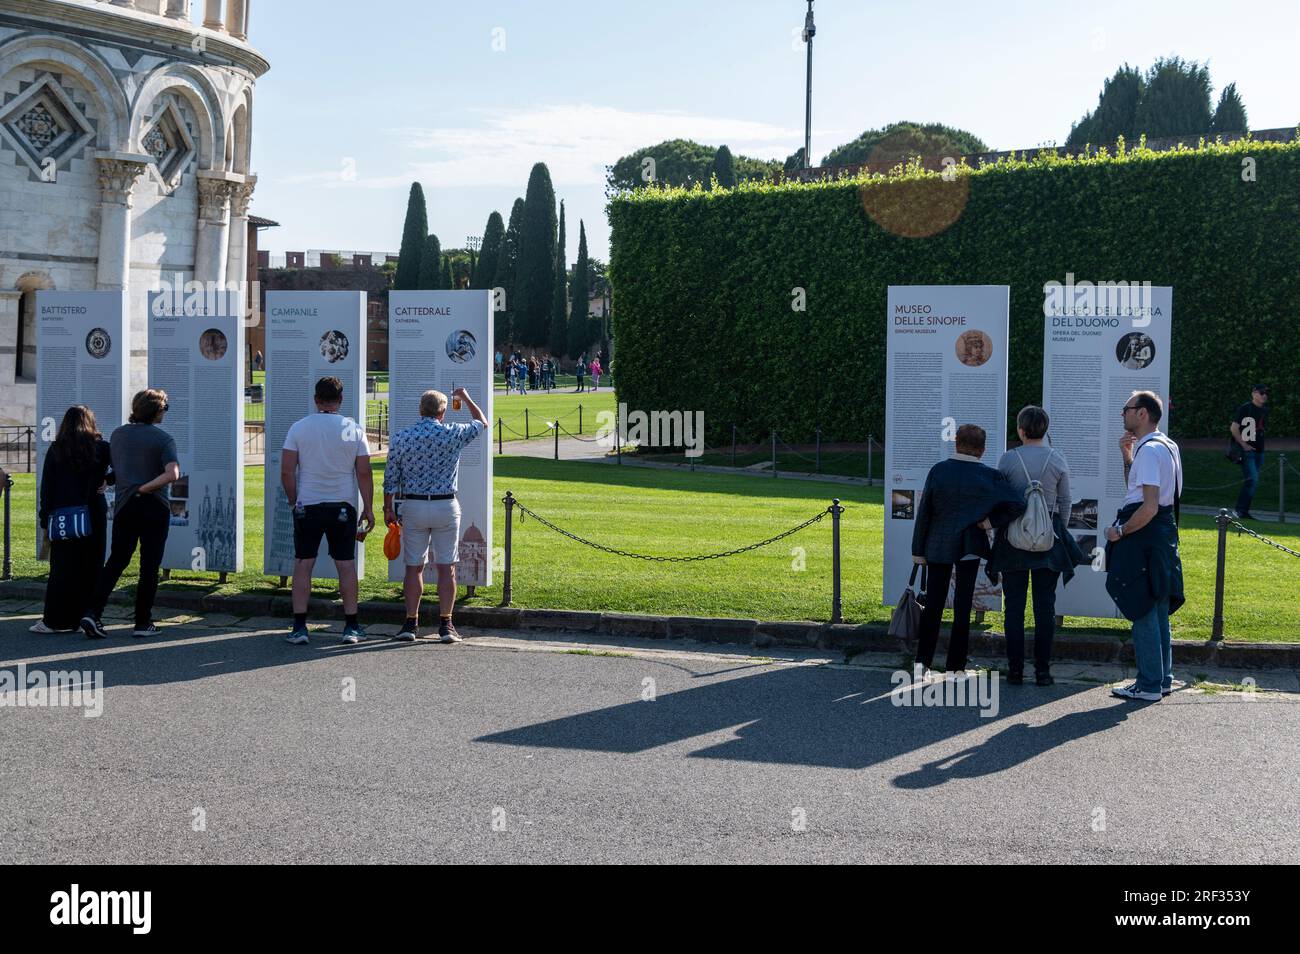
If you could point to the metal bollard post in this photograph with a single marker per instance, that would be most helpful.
(1222, 521)
(556, 427)
(1281, 488)
(525, 423)
(579, 418)
(837, 603)
(500, 438)
(505, 583)
(773, 452)
(8, 570)
(871, 471)
(30, 434)
(618, 434)
(819, 451)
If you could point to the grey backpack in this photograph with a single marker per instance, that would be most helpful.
(1032, 530)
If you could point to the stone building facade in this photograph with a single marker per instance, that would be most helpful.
(125, 135)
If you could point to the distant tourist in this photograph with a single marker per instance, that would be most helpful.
(73, 481)
(1248, 427)
(548, 372)
(581, 372)
(1034, 461)
(145, 464)
(594, 368)
(324, 464)
(532, 371)
(257, 361)
(961, 500)
(1144, 574)
(422, 471)
(496, 366)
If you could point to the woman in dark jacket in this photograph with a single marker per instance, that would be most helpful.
(962, 498)
(1034, 459)
(76, 471)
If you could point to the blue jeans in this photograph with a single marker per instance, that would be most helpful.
(1252, 462)
(1153, 649)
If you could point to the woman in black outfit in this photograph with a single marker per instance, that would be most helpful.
(75, 473)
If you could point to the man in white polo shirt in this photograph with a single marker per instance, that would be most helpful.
(325, 461)
(1144, 574)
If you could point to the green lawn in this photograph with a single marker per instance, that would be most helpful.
(675, 513)
(543, 407)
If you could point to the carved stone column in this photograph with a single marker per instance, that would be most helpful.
(118, 173)
(213, 243)
(212, 15)
(237, 263)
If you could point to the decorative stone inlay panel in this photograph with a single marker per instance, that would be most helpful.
(168, 141)
(43, 123)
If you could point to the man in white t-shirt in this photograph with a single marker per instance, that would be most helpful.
(1145, 575)
(325, 462)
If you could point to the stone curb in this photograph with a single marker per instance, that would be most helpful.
(831, 637)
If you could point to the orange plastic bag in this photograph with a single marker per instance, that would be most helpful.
(393, 541)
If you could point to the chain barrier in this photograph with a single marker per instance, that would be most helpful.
(1263, 539)
(1234, 483)
(614, 551)
(586, 440)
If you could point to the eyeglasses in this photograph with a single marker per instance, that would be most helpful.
(1126, 408)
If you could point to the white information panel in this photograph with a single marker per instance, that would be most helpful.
(83, 356)
(197, 357)
(443, 340)
(309, 335)
(1096, 353)
(946, 366)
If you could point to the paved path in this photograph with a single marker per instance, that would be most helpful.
(515, 749)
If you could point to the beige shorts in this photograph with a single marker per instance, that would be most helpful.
(429, 525)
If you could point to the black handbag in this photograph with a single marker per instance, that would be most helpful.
(906, 621)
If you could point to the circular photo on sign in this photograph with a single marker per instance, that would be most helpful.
(98, 343)
(1135, 350)
(334, 346)
(974, 348)
(461, 346)
(213, 344)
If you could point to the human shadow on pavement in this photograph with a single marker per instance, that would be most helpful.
(792, 715)
(1017, 744)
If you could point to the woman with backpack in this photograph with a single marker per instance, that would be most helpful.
(74, 515)
(1035, 546)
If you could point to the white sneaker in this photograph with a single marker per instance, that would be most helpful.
(1132, 692)
(40, 627)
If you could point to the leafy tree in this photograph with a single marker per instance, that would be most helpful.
(899, 141)
(485, 268)
(678, 162)
(1116, 112)
(535, 276)
(414, 234)
(430, 265)
(504, 278)
(1176, 101)
(579, 330)
(793, 162)
(558, 338)
(1230, 114)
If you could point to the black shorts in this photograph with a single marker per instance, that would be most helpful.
(336, 522)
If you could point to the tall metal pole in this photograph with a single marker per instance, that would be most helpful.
(809, 31)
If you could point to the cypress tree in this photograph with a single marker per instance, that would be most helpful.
(579, 330)
(1230, 114)
(429, 262)
(504, 277)
(535, 275)
(558, 338)
(724, 168)
(485, 267)
(413, 241)
(448, 280)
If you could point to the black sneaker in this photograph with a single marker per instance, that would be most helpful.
(93, 628)
(1044, 679)
(149, 629)
(448, 634)
(407, 635)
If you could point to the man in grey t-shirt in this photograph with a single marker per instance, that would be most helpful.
(145, 464)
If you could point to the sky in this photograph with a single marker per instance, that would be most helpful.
(364, 99)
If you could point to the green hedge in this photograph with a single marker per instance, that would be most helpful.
(703, 280)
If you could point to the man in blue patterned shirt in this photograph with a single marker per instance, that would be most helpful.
(422, 469)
